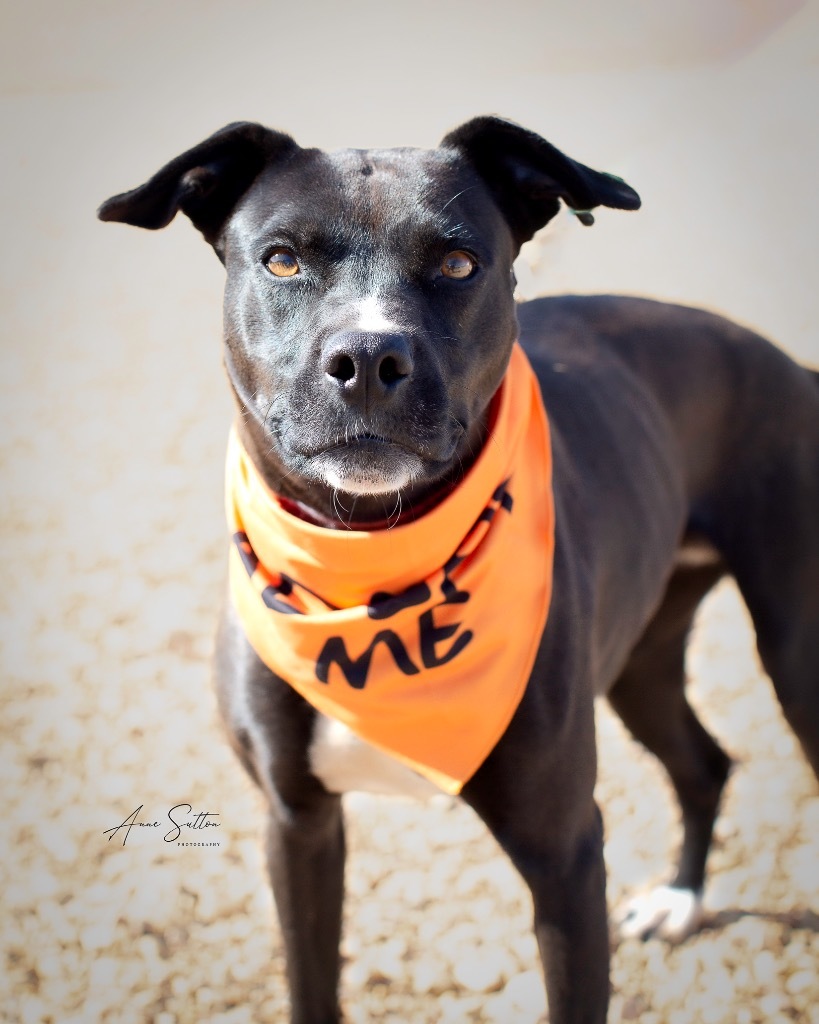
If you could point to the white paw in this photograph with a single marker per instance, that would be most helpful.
(668, 912)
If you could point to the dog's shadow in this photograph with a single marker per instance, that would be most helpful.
(794, 919)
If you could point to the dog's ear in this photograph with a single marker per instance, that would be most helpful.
(205, 182)
(528, 176)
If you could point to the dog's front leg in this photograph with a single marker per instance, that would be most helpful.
(305, 854)
(568, 890)
(539, 805)
(567, 883)
(271, 727)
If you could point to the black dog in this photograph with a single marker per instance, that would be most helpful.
(369, 321)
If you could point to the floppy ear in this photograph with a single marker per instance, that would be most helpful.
(528, 176)
(205, 182)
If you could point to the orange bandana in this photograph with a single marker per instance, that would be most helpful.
(421, 638)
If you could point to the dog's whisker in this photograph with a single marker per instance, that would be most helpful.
(392, 520)
(338, 508)
(457, 194)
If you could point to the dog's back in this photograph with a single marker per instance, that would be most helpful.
(745, 422)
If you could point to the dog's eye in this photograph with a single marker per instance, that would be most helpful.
(458, 264)
(282, 263)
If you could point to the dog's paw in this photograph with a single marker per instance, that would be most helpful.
(665, 911)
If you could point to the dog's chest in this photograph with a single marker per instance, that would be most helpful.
(345, 763)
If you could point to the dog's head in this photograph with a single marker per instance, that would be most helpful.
(369, 310)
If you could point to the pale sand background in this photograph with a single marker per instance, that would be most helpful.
(114, 416)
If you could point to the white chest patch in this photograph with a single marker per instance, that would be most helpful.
(344, 763)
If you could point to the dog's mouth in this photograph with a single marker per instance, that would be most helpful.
(366, 463)
(373, 466)
(364, 439)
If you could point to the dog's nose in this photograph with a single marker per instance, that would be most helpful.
(367, 366)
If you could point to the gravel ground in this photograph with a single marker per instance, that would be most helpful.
(113, 561)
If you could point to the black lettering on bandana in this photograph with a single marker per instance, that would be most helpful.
(384, 605)
(246, 552)
(357, 669)
(449, 588)
(432, 635)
